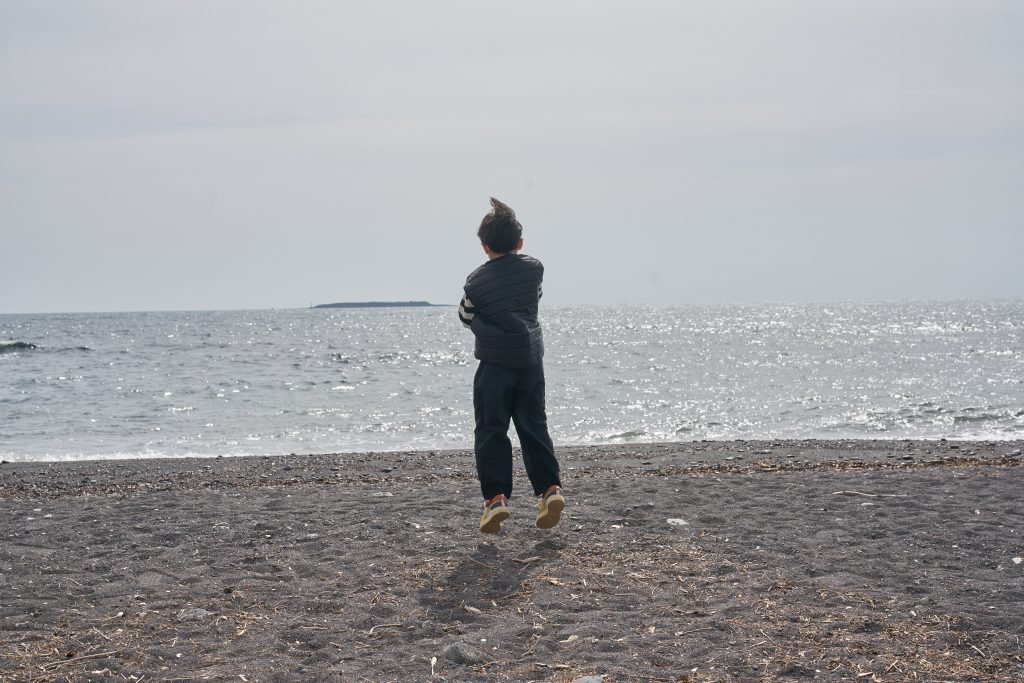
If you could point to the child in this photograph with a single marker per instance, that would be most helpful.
(500, 306)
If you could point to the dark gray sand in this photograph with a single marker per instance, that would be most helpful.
(737, 561)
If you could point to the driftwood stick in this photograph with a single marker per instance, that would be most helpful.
(869, 495)
(73, 660)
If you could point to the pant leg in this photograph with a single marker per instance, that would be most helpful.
(493, 397)
(531, 420)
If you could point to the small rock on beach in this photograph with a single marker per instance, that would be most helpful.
(193, 614)
(460, 653)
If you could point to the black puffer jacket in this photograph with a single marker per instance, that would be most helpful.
(500, 306)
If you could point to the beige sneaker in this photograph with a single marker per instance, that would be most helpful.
(495, 512)
(551, 505)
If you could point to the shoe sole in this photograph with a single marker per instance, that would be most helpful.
(552, 513)
(493, 524)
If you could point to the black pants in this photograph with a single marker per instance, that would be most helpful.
(500, 394)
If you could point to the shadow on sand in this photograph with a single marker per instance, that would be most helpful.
(490, 574)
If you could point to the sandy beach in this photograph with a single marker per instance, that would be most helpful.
(708, 561)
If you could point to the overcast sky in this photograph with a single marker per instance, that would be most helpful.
(239, 154)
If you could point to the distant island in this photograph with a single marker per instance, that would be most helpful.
(377, 304)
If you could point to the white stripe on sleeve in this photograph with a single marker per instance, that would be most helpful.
(466, 311)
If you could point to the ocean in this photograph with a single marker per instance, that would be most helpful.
(273, 382)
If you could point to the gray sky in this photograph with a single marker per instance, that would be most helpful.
(240, 154)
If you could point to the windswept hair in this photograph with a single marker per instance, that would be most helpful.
(499, 229)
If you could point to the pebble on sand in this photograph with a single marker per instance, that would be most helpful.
(193, 614)
(460, 653)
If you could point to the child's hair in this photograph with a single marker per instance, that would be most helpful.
(499, 229)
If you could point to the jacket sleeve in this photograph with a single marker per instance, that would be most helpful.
(467, 311)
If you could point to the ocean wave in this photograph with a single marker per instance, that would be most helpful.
(630, 434)
(979, 417)
(14, 347)
(19, 346)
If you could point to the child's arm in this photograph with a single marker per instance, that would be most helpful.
(467, 311)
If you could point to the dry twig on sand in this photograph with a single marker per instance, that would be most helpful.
(870, 495)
